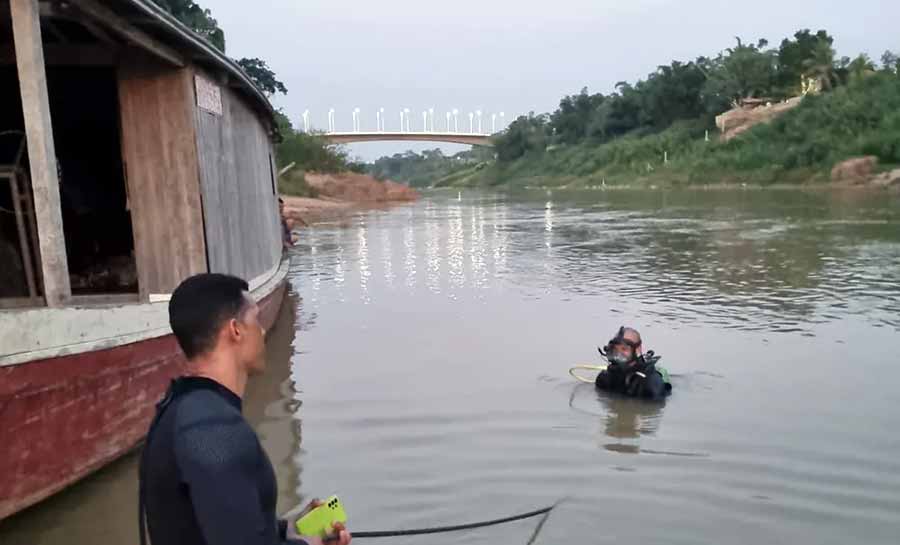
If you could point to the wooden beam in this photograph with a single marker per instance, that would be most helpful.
(41, 152)
(97, 31)
(52, 11)
(70, 55)
(121, 26)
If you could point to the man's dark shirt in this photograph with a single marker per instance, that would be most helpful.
(613, 379)
(207, 479)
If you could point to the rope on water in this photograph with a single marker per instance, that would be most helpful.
(587, 368)
(456, 528)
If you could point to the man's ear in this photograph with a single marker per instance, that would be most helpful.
(234, 331)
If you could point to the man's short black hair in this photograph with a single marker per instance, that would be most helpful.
(280, 200)
(200, 305)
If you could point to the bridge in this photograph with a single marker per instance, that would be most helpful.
(471, 139)
(476, 135)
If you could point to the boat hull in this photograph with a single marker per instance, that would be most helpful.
(64, 417)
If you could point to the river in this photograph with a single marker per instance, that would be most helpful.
(419, 371)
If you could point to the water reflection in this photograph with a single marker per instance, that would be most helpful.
(478, 248)
(362, 250)
(500, 238)
(433, 248)
(269, 404)
(339, 273)
(409, 242)
(623, 418)
(456, 258)
(387, 258)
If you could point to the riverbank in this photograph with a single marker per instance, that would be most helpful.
(803, 145)
(870, 178)
(339, 195)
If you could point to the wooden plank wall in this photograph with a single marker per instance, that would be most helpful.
(161, 164)
(240, 206)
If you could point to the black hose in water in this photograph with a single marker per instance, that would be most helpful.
(442, 529)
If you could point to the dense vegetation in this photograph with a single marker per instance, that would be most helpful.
(693, 90)
(303, 151)
(861, 118)
(851, 108)
(422, 169)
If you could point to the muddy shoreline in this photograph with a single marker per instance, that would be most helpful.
(341, 195)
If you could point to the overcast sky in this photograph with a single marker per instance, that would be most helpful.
(514, 56)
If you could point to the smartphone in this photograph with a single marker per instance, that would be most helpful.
(319, 521)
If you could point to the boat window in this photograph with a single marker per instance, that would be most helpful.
(93, 198)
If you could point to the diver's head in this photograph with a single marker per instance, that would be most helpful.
(625, 348)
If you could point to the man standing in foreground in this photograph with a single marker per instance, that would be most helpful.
(204, 477)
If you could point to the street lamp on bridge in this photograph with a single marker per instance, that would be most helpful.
(424, 120)
(306, 121)
(478, 113)
(406, 115)
(471, 120)
(493, 123)
(455, 120)
(448, 121)
(431, 113)
(381, 124)
(356, 120)
(331, 120)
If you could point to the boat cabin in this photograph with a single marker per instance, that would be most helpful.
(133, 153)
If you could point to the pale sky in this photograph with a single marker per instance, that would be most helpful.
(513, 56)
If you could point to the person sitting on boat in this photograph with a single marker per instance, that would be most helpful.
(287, 235)
(630, 371)
(204, 476)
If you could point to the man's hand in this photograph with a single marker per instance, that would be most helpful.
(340, 536)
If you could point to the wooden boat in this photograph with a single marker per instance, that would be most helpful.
(135, 154)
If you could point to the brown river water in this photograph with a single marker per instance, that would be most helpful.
(419, 371)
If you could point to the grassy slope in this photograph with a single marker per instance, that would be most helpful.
(801, 146)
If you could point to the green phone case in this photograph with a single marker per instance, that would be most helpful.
(319, 521)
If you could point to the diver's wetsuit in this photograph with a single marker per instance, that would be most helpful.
(614, 379)
(206, 479)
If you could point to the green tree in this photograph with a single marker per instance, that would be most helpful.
(793, 56)
(860, 67)
(619, 114)
(308, 151)
(672, 93)
(570, 121)
(820, 65)
(197, 19)
(743, 71)
(890, 62)
(527, 134)
(264, 78)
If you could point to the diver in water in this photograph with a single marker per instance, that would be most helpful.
(630, 371)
